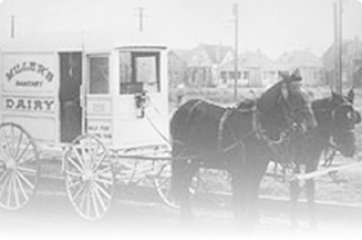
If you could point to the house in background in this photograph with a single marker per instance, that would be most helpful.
(177, 67)
(203, 66)
(255, 69)
(351, 63)
(213, 66)
(309, 65)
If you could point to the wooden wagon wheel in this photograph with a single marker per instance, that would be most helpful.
(89, 177)
(162, 181)
(19, 166)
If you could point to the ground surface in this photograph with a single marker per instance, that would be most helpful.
(50, 216)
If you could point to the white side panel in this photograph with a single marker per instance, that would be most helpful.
(99, 117)
(42, 128)
(132, 131)
(29, 96)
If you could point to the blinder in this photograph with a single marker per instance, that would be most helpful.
(345, 117)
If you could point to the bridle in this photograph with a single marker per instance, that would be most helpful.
(290, 114)
(332, 111)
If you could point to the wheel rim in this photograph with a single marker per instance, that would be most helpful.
(89, 177)
(19, 167)
(162, 183)
(163, 186)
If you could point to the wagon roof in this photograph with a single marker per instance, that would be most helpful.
(68, 41)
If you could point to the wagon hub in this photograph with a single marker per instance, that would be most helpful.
(11, 164)
(88, 174)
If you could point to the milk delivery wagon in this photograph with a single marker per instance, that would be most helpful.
(84, 103)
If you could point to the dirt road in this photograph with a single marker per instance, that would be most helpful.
(50, 215)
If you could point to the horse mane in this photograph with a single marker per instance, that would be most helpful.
(267, 99)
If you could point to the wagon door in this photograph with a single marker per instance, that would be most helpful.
(142, 103)
(69, 95)
(98, 101)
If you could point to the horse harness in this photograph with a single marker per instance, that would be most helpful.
(257, 130)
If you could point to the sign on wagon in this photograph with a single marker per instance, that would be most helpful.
(29, 73)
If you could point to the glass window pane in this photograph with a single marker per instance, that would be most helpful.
(99, 76)
(125, 67)
(146, 73)
(139, 72)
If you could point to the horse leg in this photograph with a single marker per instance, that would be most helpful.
(255, 178)
(310, 192)
(239, 198)
(182, 174)
(294, 195)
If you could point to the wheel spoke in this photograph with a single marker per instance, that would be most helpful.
(4, 175)
(100, 172)
(73, 174)
(6, 140)
(22, 177)
(94, 152)
(79, 191)
(16, 192)
(104, 181)
(82, 200)
(98, 163)
(75, 164)
(10, 189)
(88, 204)
(95, 203)
(104, 192)
(73, 184)
(100, 200)
(32, 158)
(22, 190)
(27, 170)
(23, 151)
(5, 184)
(19, 144)
(83, 152)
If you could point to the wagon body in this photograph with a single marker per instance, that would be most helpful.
(59, 92)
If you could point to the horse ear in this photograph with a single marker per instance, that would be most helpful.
(351, 95)
(284, 91)
(333, 94)
(296, 77)
(281, 74)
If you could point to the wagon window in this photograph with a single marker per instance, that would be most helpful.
(139, 72)
(99, 75)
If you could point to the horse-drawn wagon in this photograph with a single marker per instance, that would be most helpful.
(83, 104)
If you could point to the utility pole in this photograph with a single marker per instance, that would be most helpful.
(340, 59)
(12, 27)
(338, 45)
(236, 17)
(141, 16)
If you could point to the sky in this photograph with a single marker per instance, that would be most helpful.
(272, 26)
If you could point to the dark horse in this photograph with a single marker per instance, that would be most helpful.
(238, 140)
(336, 119)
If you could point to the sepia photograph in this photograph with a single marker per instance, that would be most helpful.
(180, 119)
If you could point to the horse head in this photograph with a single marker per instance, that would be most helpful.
(285, 106)
(343, 120)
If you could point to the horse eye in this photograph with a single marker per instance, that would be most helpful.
(350, 115)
